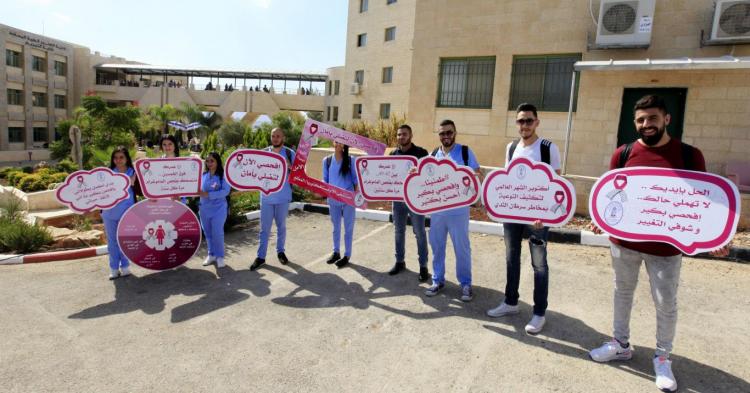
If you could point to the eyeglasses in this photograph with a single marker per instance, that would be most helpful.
(526, 121)
(445, 133)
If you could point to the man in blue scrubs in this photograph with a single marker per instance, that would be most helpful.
(275, 207)
(453, 222)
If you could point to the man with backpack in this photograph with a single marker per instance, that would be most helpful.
(530, 146)
(654, 148)
(275, 206)
(453, 222)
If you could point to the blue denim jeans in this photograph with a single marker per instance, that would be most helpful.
(400, 214)
(513, 234)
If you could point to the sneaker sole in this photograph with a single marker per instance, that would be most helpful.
(616, 358)
(501, 315)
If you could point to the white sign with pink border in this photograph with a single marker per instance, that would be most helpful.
(169, 177)
(527, 191)
(381, 178)
(440, 185)
(250, 169)
(693, 211)
(99, 188)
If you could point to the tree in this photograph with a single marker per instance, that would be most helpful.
(232, 133)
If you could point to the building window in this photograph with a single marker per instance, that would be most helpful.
(336, 87)
(389, 2)
(328, 113)
(12, 58)
(543, 81)
(362, 40)
(357, 111)
(362, 6)
(329, 88)
(387, 74)
(15, 97)
(466, 82)
(385, 111)
(335, 113)
(38, 64)
(61, 69)
(15, 134)
(60, 101)
(39, 99)
(40, 134)
(390, 33)
(359, 76)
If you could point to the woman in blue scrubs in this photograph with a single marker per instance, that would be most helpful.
(213, 208)
(338, 170)
(119, 265)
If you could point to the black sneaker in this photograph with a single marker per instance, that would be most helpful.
(397, 268)
(257, 263)
(342, 262)
(334, 257)
(434, 289)
(424, 274)
(282, 258)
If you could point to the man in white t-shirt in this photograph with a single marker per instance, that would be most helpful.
(531, 146)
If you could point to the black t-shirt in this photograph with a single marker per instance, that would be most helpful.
(414, 151)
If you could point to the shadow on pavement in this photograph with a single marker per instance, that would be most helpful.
(149, 293)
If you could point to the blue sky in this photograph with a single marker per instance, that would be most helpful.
(253, 35)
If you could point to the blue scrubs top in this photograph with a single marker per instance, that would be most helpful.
(455, 156)
(116, 212)
(285, 194)
(217, 188)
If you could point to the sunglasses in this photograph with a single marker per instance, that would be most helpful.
(445, 133)
(526, 121)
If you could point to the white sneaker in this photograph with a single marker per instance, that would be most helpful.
(611, 350)
(665, 380)
(209, 260)
(220, 262)
(125, 271)
(502, 309)
(535, 325)
(113, 274)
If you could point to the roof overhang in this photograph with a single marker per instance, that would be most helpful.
(685, 63)
(145, 69)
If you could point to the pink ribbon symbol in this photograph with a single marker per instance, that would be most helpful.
(146, 164)
(559, 196)
(466, 180)
(151, 231)
(239, 157)
(364, 164)
(80, 179)
(313, 129)
(621, 181)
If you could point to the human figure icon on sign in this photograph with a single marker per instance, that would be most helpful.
(160, 234)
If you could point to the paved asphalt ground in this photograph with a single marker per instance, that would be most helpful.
(309, 326)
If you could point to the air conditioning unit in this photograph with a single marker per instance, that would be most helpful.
(354, 88)
(625, 23)
(731, 21)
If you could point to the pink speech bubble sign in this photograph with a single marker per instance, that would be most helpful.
(417, 183)
(267, 175)
(527, 191)
(693, 211)
(188, 176)
(381, 185)
(299, 177)
(104, 190)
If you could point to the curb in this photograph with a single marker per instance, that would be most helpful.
(556, 235)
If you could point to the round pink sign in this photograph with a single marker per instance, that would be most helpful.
(159, 234)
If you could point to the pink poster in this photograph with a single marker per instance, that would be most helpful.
(314, 129)
(440, 185)
(381, 178)
(169, 177)
(159, 234)
(693, 211)
(99, 188)
(527, 191)
(250, 169)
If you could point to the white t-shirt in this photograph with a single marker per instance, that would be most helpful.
(534, 153)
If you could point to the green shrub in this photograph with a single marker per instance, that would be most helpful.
(21, 237)
(58, 178)
(244, 202)
(15, 176)
(32, 183)
(11, 209)
(67, 165)
(5, 171)
(27, 169)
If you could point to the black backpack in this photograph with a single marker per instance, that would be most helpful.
(687, 156)
(464, 153)
(544, 149)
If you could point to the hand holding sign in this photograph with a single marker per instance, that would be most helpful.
(528, 191)
(440, 185)
(693, 211)
(249, 169)
(99, 188)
